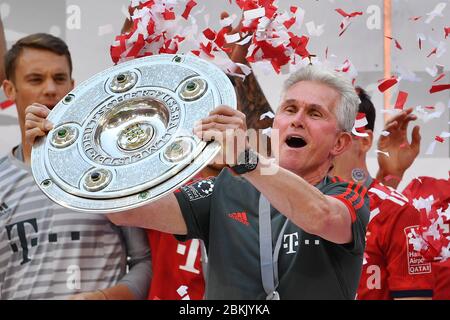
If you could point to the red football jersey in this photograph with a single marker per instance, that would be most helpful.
(177, 268)
(391, 268)
(440, 189)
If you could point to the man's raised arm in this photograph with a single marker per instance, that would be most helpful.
(163, 215)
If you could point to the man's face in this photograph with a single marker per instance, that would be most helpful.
(41, 76)
(308, 128)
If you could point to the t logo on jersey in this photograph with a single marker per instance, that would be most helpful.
(290, 241)
(193, 252)
(22, 235)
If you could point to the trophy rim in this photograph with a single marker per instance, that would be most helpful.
(97, 199)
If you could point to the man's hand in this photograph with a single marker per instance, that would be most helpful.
(228, 127)
(94, 295)
(401, 153)
(36, 124)
(116, 292)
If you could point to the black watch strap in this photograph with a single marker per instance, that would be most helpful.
(247, 161)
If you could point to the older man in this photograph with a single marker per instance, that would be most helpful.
(293, 235)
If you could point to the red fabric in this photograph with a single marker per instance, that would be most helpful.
(391, 265)
(175, 264)
(172, 270)
(440, 189)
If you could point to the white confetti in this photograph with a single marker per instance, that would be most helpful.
(267, 132)
(426, 116)
(254, 14)
(382, 152)
(268, 114)
(313, 30)
(437, 11)
(232, 38)
(431, 148)
(228, 21)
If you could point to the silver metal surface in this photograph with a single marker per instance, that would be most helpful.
(124, 137)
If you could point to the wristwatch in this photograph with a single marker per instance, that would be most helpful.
(247, 161)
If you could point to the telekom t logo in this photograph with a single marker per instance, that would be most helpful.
(192, 253)
(290, 241)
(21, 231)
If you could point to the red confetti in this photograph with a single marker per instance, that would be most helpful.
(439, 87)
(439, 78)
(397, 44)
(169, 15)
(447, 31)
(191, 4)
(289, 23)
(348, 15)
(136, 43)
(209, 34)
(6, 104)
(343, 28)
(432, 52)
(401, 99)
(299, 45)
(439, 139)
(415, 18)
(430, 107)
(386, 84)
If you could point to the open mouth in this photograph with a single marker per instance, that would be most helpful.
(296, 142)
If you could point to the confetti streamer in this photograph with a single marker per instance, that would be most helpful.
(348, 15)
(437, 12)
(359, 128)
(6, 104)
(401, 100)
(268, 115)
(314, 31)
(387, 83)
(439, 87)
(439, 78)
(267, 132)
(382, 152)
(187, 11)
(397, 44)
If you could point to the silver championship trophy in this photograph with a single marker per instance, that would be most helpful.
(124, 137)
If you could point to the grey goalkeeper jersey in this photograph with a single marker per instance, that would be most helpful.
(50, 252)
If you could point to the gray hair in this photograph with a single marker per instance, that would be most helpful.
(349, 102)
